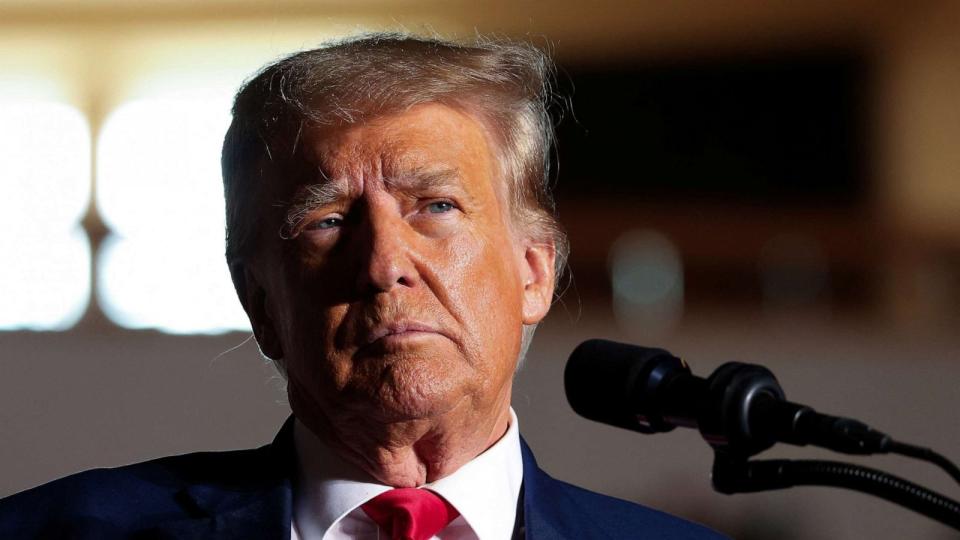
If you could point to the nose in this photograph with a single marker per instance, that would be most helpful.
(386, 255)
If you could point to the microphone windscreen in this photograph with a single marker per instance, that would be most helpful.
(611, 382)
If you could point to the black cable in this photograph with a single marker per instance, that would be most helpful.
(879, 483)
(925, 454)
(740, 476)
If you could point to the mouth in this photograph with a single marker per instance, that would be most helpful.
(386, 336)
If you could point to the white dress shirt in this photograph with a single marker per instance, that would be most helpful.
(329, 491)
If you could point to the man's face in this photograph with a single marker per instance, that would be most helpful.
(401, 286)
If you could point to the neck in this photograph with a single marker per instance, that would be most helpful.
(410, 453)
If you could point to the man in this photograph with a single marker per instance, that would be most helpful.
(390, 234)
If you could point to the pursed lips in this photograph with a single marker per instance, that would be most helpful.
(398, 328)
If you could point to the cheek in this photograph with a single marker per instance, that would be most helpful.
(486, 297)
(310, 336)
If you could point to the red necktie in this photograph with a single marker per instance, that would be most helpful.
(410, 513)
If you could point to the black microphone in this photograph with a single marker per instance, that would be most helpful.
(740, 408)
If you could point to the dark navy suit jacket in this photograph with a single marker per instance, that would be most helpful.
(248, 494)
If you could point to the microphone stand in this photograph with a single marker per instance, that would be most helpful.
(740, 411)
(737, 474)
(745, 413)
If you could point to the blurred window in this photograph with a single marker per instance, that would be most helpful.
(44, 193)
(160, 193)
(646, 271)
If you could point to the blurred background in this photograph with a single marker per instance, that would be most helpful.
(766, 182)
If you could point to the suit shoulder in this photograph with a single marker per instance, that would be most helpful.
(619, 515)
(112, 500)
(556, 509)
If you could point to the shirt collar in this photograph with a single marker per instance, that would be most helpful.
(328, 487)
(485, 490)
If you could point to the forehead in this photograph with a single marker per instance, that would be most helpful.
(428, 137)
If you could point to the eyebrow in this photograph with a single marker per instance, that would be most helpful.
(423, 178)
(329, 191)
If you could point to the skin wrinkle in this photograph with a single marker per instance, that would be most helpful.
(414, 408)
(329, 192)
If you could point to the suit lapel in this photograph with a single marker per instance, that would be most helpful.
(260, 507)
(547, 512)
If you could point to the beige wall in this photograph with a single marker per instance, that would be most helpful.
(921, 85)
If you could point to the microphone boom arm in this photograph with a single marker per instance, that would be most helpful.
(734, 474)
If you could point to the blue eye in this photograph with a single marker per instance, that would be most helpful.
(439, 207)
(327, 223)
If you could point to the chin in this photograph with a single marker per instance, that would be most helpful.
(420, 399)
(413, 385)
(405, 405)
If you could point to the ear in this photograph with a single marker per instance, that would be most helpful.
(254, 299)
(538, 280)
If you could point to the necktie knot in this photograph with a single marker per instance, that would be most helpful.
(410, 513)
